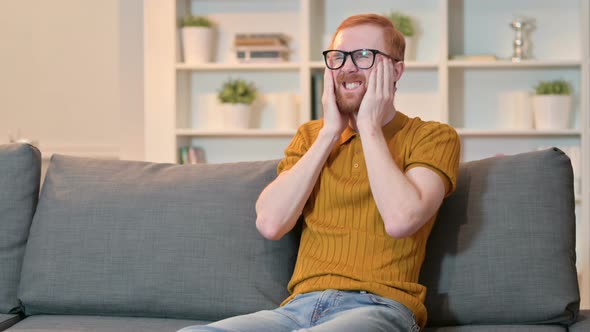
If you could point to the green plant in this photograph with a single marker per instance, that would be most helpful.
(237, 92)
(196, 21)
(402, 22)
(555, 87)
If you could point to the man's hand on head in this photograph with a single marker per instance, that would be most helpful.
(378, 100)
(334, 121)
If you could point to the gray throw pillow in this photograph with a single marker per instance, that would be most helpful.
(502, 250)
(131, 238)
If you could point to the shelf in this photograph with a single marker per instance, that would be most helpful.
(464, 93)
(409, 65)
(510, 64)
(516, 132)
(237, 66)
(235, 132)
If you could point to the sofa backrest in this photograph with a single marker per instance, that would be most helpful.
(502, 250)
(20, 172)
(114, 237)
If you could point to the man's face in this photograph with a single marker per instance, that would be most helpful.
(351, 82)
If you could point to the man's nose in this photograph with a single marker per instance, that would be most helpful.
(349, 65)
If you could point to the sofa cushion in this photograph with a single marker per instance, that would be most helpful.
(115, 237)
(46, 323)
(20, 172)
(503, 248)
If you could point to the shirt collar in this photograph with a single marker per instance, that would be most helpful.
(390, 128)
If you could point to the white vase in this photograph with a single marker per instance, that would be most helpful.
(410, 53)
(236, 116)
(287, 115)
(514, 110)
(552, 112)
(197, 44)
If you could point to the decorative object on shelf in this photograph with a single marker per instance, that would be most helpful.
(552, 104)
(261, 47)
(405, 25)
(236, 97)
(520, 45)
(198, 39)
(514, 109)
(575, 157)
(287, 115)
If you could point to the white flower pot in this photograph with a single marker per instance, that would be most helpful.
(552, 112)
(410, 53)
(236, 116)
(197, 44)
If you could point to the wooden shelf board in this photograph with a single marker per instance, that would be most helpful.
(517, 132)
(235, 132)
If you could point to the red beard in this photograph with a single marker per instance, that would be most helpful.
(349, 102)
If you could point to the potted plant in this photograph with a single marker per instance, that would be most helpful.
(403, 23)
(197, 39)
(552, 103)
(236, 97)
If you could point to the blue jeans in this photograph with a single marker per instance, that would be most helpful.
(329, 310)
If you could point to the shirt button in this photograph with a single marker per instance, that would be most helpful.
(355, 165)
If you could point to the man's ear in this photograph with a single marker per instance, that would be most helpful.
(398, 70)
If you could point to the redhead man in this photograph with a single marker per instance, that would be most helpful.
(369, 181)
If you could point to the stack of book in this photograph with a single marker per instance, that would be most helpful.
(261, 47)
(191, 155)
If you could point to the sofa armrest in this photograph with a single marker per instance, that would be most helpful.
(583, 322)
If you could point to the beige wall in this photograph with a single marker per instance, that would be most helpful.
(71, 75)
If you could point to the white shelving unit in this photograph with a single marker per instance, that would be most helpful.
(180, 98)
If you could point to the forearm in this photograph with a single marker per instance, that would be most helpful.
(280, 204)
(397, 198)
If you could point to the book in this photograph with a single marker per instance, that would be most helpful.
(317, 90)
(191, 155)
(260, 39)
(262, 53)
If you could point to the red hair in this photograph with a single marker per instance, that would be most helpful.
(395, 44)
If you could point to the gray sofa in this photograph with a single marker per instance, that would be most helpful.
(114, 245)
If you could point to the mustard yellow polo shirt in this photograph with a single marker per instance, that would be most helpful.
(344, 245)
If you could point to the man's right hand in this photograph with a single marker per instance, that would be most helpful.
(334, 121)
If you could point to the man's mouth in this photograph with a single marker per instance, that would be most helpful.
(351, 85)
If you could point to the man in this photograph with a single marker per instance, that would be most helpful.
(369, 181)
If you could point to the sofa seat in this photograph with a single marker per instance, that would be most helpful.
(582, 323)
(65, 323)
(7, 320)
(498, 328)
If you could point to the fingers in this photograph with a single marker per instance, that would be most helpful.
(387, 76)
(328, 84)
(379, 79)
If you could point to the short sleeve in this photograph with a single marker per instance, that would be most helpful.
(294, 151)
(437, 146)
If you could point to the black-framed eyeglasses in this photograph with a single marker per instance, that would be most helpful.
(363, 58)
